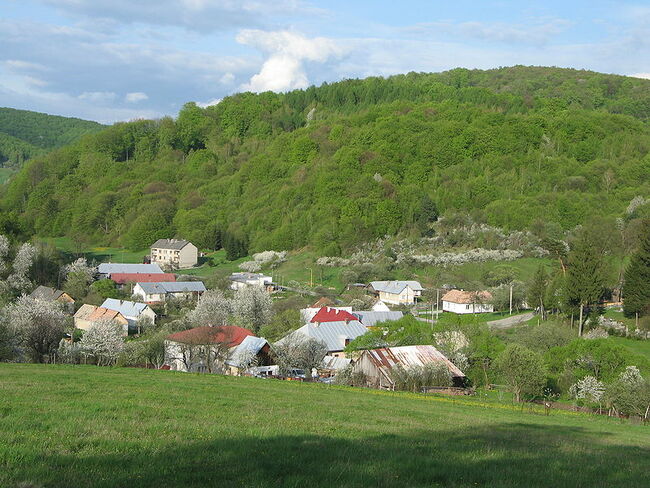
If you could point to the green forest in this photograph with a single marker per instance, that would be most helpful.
(344, 163)
(25, 134)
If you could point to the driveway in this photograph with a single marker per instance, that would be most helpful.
(511, 321)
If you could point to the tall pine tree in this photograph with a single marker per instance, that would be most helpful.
(636, 288)
(586, 273)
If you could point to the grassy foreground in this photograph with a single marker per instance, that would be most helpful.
(86, 426)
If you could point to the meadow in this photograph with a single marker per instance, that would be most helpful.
(86, 426)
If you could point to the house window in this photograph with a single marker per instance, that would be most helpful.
(467, 307)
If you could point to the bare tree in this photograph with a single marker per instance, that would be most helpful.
(296, 352)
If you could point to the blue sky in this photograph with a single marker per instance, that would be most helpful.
(110, 60)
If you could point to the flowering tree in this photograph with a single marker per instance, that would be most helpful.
(4, 250)
(212, 309)
(296, 352)
(629, 394)
(19, 280)
(252, 306)
(588, 388)
(36, 325)
(104, 340)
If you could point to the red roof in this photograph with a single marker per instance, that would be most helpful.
(327, 314)
(230, 334)
(122, 278)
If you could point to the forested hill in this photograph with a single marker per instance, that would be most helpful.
(24, 134)
(343, 163)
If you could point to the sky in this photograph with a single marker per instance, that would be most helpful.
(114, 60)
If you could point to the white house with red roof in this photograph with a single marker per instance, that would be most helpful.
(214, 349)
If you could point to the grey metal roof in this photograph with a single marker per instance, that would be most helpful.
(332, 334)
(395, 287)
(125, 307)
(335, 363)
(109, 268)
(170, 244)
(46, 293)
(250, 345)
(371, 318)
(172, 287)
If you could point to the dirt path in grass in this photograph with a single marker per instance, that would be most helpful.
(511, 321)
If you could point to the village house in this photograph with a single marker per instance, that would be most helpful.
(244, 279)
(206, 349)
(134, 312)
(48, 294)
(377, 364)
(335, 335)
(464, 302)
(397, 292)
(122, 279)
(174, 253)
(160, 292)
(379, 306)
(331, 314)
(88, 315)
(251, 353)
(105, 270)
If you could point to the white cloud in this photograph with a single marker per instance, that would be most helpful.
(288, 51)
(641, 75)
(209, 103)
(227, 79)
(97, 97)
(136, 97)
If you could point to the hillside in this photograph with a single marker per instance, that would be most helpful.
(105, 427)
(25, 134)
(344, 163)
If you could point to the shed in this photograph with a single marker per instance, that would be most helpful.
(377, 364)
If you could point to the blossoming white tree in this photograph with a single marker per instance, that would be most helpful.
(212, 309)
(37, 326)
(104, 340)
(588, 388)
(252, 306)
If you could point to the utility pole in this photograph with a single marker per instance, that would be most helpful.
(510, 298)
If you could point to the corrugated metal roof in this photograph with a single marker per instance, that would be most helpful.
(335, 363)
(370, 318)
(387, 357)
(332, 334)
(46, 293)
(395, 287)
(109, 268)
(250, 345)
(172, 287)
(125, 307)
(175, 244)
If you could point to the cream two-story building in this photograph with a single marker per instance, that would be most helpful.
(174, 253)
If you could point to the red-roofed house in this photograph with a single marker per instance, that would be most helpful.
(203, 349)
(121, 279)
(327, 314)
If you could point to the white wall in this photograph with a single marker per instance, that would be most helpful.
(465, 308)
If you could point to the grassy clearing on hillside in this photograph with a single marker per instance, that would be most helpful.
(640, 347)
(100, 427)
(5, 173)
(98, 254)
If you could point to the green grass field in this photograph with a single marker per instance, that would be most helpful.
(63, 426)
(5, 173)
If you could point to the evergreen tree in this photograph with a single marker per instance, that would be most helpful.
(636, 290)
(537, 291)
(586, 273)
